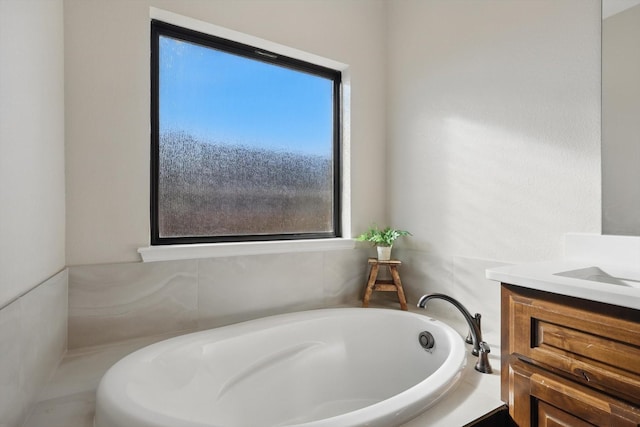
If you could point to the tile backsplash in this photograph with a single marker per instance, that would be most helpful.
(115, 302)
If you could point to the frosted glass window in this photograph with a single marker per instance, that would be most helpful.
(245, 143)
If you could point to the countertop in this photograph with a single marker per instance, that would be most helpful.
(544, 276)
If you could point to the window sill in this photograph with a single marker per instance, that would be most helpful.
(214, 250)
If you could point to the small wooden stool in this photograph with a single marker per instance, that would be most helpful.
(375, 284)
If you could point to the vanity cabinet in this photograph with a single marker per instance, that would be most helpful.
(569, 362)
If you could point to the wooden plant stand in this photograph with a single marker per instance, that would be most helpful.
(375, 284)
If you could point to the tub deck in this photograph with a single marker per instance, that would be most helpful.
(68, 400)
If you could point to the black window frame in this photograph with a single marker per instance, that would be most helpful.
(160, 28)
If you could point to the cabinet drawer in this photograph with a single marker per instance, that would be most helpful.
(542, 399)
(587, 345)
(550, 416)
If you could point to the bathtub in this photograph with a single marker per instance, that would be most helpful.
(320, 368)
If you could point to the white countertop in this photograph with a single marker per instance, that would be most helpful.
(543, 276)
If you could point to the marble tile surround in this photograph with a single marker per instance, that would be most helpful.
(115, 302)
(69, 398)
(462, 278)
(33, 339)
(128, 306)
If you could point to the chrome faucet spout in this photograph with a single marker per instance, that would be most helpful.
(480, 348)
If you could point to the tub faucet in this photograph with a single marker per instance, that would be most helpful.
(480, 348)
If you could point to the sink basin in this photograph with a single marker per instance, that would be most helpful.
(597, 274)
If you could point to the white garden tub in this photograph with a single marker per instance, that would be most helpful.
(320, 368)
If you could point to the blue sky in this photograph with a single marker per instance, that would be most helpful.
(226, 98)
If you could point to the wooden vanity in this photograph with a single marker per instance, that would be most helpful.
(568, 361)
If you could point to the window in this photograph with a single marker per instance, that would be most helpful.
(245, 142)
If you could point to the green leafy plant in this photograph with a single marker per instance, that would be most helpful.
(384, 237)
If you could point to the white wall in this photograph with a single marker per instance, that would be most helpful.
(32, 181)
(620, 124)
(494, 135)
(107, 105)
(33, 289)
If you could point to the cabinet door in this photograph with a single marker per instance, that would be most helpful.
(594, 344)
(538, 398)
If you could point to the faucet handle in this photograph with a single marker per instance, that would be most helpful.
(483, 364)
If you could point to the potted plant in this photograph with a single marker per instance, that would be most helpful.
(382, 239)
